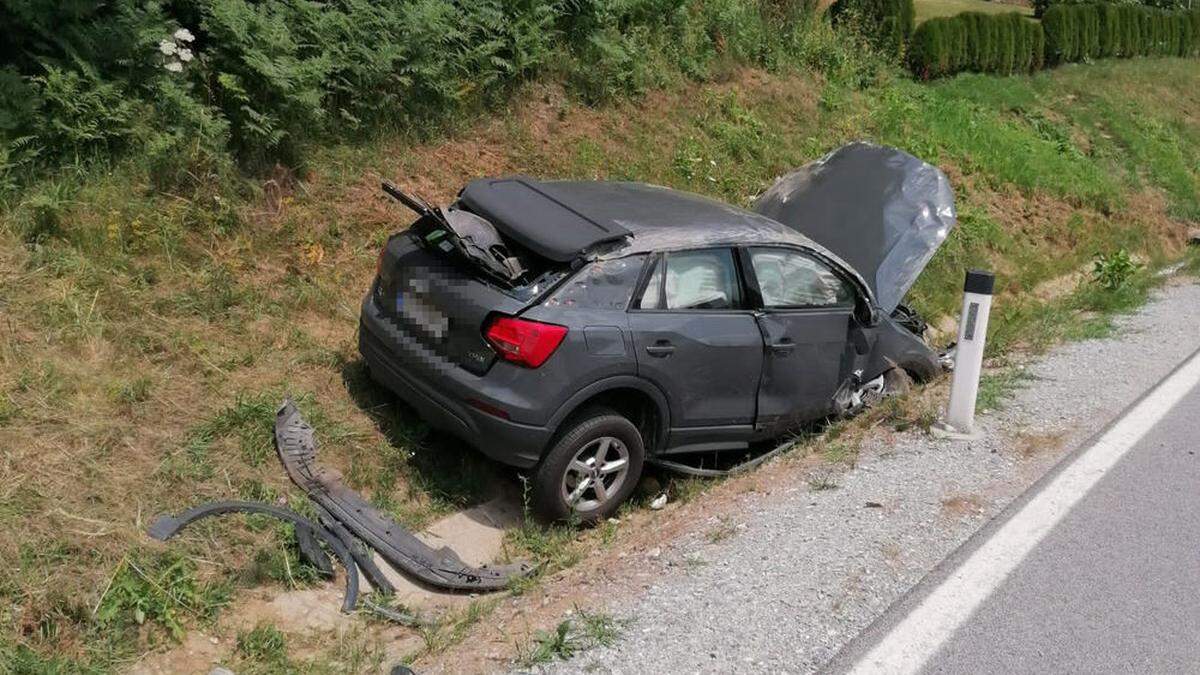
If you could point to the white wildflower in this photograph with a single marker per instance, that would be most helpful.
(166, 47)
(174, 66)
(184, 35)
(185, 54)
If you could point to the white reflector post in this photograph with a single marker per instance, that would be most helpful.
(968, 359)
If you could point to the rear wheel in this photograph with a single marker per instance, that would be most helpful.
(590, 470)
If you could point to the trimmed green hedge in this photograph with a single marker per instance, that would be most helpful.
(1083, 32)
(889, 24)
(973, 41)
(1010, 43)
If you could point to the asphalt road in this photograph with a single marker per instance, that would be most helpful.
(782, 579)
(1113, 586)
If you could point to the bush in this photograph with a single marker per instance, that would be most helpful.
(1084, 32)
(887, 24)
(972, 41)
(189, 83)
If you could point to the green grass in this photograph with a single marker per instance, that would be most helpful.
(585, 630)
(997, 387)
(928, 9)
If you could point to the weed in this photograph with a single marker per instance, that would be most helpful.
(281, 564)
(1112, 271)
(997, 387)
(449, 630)
(130, 392)
(1191, 262)
(822, 479)
(251, 417)
(839, 451)
(585, 630)
(263, 645)
(684, 490)
(8, 409)
(551, 548)
(159, 590)
(906, 412)
(725, 529)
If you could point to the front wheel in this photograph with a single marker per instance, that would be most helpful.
(591, 469)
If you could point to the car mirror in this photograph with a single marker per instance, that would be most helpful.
(868, 314)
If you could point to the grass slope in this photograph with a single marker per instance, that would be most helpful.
(928, 9)
(144, 346)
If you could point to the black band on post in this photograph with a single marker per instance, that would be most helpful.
(979, 281)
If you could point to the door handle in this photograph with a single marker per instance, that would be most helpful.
(782, 348)
(660, 349)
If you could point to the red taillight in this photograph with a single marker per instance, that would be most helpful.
(524, 342)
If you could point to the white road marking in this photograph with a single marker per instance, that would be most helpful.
(913, 641)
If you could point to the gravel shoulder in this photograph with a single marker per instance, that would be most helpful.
(801, 571)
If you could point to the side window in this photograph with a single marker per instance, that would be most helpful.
(604, 284)
(651, 297)
(701, 280)
(789, 278)
(705, 279)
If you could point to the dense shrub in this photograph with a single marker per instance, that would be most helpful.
(972, 41)
(1040, 6)
(1009, 43)
(1084, 32)
(189, 82)
(888, 24)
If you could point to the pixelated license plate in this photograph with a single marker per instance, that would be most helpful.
(424, 315)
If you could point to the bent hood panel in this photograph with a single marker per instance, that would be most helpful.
(880, 209)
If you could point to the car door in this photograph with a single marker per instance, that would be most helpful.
(806, 313)
(696, 338)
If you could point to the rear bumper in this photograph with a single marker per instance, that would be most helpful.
(438, 391)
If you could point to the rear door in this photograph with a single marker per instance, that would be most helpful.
(696, 338)
(805, 318)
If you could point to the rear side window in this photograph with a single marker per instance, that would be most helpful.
(604, 284)
(789, 278)
(696, 280)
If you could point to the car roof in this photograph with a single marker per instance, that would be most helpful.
(564, 220)
(561, 219)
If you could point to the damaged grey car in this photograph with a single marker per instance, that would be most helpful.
(578, 330)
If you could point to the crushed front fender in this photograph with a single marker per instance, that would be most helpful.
(442, 568)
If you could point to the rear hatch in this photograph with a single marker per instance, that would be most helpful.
(441, 298)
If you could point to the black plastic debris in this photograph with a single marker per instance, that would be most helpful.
(441, 568)
(166, 526)
(350, 527)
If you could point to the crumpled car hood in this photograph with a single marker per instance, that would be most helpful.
(880, 209)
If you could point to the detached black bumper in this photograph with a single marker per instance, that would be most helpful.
(440, 397)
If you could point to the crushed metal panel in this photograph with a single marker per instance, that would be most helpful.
(880, 209)
(442, 567)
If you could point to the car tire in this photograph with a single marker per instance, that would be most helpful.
(573, 459)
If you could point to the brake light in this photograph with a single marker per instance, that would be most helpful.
(523, 342)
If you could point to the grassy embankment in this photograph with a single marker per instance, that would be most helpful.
(144, 347)
(928, 9)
